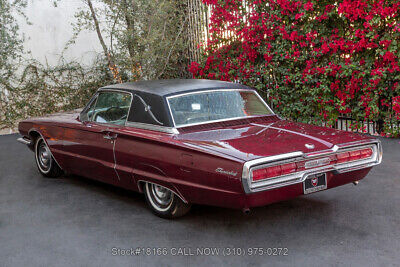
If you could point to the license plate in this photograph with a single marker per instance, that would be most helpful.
(314, 183)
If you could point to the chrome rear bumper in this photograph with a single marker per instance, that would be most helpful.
(251, 187)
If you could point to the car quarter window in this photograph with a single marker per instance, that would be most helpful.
(110, 107)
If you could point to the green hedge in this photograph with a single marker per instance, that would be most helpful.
(41, 90)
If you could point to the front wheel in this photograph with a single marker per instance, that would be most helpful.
(45, 162)
(163, 202)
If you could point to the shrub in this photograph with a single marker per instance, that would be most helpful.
(41, 90)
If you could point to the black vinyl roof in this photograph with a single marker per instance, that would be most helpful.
(174, 86)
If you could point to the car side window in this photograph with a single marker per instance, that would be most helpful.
(111, 107)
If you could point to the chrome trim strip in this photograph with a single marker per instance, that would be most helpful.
(24, 141)
(113, 90)
(115, 158)
(249, 164)
(173, 191)
(251, 187)
(140, 125)
(334, 149)
(152, 127)
(222, 120)
(92, 99)
(213, 121)
(357, 143)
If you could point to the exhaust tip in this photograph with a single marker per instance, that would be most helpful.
(355, 182)
(246, 211)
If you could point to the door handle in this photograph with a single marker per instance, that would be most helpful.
(110, 137)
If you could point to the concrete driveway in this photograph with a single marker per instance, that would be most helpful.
(75, 221)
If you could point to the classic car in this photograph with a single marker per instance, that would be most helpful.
(196, 141)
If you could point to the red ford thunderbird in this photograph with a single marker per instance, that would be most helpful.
(196, 141)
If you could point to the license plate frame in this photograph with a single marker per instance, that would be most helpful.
(314, 183)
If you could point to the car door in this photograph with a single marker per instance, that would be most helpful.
(90, 145)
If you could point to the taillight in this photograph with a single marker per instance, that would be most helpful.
(259, 174)
(267, 173)
(274, 171)
(366, 153)
(343, 157)
(288, 168)
(354, 155)
(299, 166)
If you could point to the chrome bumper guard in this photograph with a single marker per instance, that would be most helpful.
(24, 140)
(251, 187)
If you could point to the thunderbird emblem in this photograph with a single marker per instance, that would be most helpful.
(314, 181)
(221, 170)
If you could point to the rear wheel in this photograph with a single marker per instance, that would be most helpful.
(45, 162)
(163, 202)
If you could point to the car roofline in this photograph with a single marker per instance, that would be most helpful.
(165, 88)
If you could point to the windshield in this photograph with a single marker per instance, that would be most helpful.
(209, 106)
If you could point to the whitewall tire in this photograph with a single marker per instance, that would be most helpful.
(163, 202)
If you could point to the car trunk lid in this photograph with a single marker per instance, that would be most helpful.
(253, 140)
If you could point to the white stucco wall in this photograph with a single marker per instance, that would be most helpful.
(51, 29)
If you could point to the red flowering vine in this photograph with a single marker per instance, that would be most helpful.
(312, 59)
(396, 106)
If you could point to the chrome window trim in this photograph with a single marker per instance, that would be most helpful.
(118, 91)
(86, 108)
(219, 120)
(281, 181)
(140, 125)
(152, 127)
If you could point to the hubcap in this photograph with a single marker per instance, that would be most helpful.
(160, 197)
(44, 156)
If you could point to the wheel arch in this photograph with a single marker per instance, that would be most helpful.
(34, 134)
(141, 183)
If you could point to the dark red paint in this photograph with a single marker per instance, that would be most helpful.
(186, 162)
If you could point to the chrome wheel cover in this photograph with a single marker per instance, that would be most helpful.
(160, 197)
(43, 157)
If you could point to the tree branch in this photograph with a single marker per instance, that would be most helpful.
(172, 47)
(110, 60)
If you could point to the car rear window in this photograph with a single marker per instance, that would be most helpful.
(209, 106)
